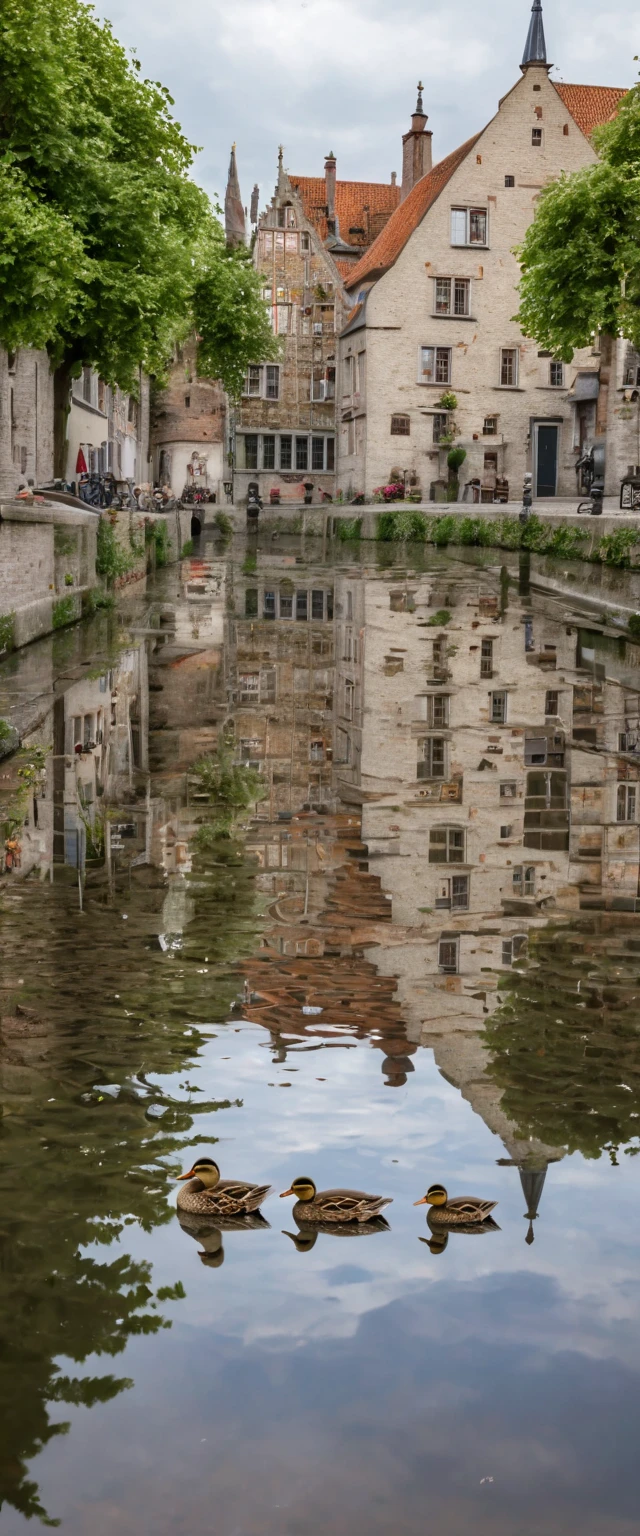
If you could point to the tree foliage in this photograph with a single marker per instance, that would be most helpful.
(105, 239)
(581, 255)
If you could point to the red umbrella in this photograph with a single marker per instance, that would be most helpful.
(81, 463)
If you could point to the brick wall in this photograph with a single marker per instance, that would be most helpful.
(26, 419)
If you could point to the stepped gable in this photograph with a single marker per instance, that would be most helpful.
(391, 242)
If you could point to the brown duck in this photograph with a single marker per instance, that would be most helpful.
(462, 1211)
(332, 1206)
(208, 1195)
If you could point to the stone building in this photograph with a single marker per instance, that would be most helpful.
(108, 429)
(26, 419)
(306, 245)
(188, 429)
(431, 353)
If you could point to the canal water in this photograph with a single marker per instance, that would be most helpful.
(414, 958)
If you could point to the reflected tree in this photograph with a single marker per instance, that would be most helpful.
(565, 1041)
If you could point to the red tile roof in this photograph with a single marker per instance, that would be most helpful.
(345, 266)
(591, 105)
(360, 205)
(386, 249)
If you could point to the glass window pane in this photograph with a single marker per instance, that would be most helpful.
(302, 453)
(269, 605)
(427, 365)
(443, 295)
(251, 451)
(317, 605)
(330, 453)
(251, 603)
(285, 452)
(268, 453)
(317, 453)
(286, 605)
(461, 296)
(443, 365)
(301, 605)
(273, 382)
(477, 227)
(458, 226)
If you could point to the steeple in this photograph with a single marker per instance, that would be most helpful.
(532, 1181)
(535, 49)
(416, 148)
(234, 219)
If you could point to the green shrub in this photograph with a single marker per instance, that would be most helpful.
(615, 548)
(250, 563)
(112, 561)
(475, 530)
(349, 529)
(223, 525)
(94, 600)
(444, 530)
(68, 578)
(440, 618)
(187, 549)
(7, 631)
(64, 612)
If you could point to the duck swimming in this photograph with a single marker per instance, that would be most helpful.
(332, 1206)
(208, 1195)
(462, 1211)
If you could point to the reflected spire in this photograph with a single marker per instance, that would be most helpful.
(532, 1181)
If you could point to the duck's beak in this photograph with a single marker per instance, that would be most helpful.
(423, 1201)
(190, 1175)
(286, 1192)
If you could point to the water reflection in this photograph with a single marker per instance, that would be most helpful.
(446, 855)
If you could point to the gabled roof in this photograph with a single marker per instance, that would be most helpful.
(386, 249)
(591, 105)
(363, 206)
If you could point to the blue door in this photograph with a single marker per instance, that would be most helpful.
(546, 459)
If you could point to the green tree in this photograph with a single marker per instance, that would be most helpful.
(580, 257)
(109, 252)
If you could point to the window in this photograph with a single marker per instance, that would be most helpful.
(86, 385)
(268, 453)
(446, 845)
(448, 956)
(440, 425)
(524, 880)
(513, 948)
(316, 752)
(506, 832)
(452, 295)
(349, 691)
(556, 375)
(529, 643)
(508, 367)
(305, 243)
(250, 748)
(498, 713)
(490, 426)
(431, 763)
(551, 701)
(302, 453)
(331, 453)
(269, 605)
(291, 243)
(509, 181)
(535, 751)
(249, 687)
(343, 746)
(187, 401)
(435, 365)
(302, 605)
(251, 450)
(508, 789)
(468, 226)
(251, 603)
(437, 709)
(453, 894)
(285, 452)
(536, 138)
(400, 426)
(626, 802)
(253, 380)
(317, 453)
(272, 384)
(317, 605)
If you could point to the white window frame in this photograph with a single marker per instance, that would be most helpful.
(513, 353)
(271, 378)
(448, 844)
(498, 714)
(428, 368)
(460, 223)
(556, 364)
(437, 704)
(451, 965)
(446, 306)
(430, 748)
(626, 802)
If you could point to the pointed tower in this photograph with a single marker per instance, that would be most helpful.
(532, 1181)
(535, 49)
(234, 218)
(416, 148)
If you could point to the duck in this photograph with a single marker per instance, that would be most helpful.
(332, 1206)
(207, 1194)
(462, 1211)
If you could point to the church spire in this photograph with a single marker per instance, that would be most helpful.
(535, 48)
(234, 219)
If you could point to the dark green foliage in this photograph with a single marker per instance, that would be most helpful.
(7, 631)
(475, 530)
(444, 530)
(566, 1057)
(223, 525)
(615, 548)
(349, 529)
(187, 549)
(94, 600)
(438, 619)
(633, 625)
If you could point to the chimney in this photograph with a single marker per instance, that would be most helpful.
(394, 178)
(416, 148)
(330, 182)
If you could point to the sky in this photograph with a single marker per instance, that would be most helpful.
(341, 75)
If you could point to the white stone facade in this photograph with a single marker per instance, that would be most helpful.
(513, 411)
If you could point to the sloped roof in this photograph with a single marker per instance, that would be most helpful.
(359, 205)
(590, 105)
(386, 249)
(344, 265)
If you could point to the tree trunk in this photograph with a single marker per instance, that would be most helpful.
(61, 408)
